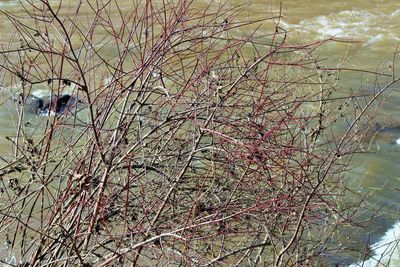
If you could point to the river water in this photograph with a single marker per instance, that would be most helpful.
(373, 27)
(373, 24)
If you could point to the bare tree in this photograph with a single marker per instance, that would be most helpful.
(192, 144)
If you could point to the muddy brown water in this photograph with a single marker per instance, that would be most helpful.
(374, 27)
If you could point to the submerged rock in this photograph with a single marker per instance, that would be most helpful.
(50, 105)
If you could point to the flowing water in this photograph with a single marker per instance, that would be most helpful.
(373, 26)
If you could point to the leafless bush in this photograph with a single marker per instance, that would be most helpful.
(193, 144)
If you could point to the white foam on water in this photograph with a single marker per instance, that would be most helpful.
(386, 250)
(40, 93)
(8, 3)
(375, 39)
(352, 24)
(395, 14)
(398, 141)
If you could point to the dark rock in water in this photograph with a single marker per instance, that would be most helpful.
(53, 104)
(58, 104)
(65, 102)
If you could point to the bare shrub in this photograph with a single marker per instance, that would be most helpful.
(197, 140)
